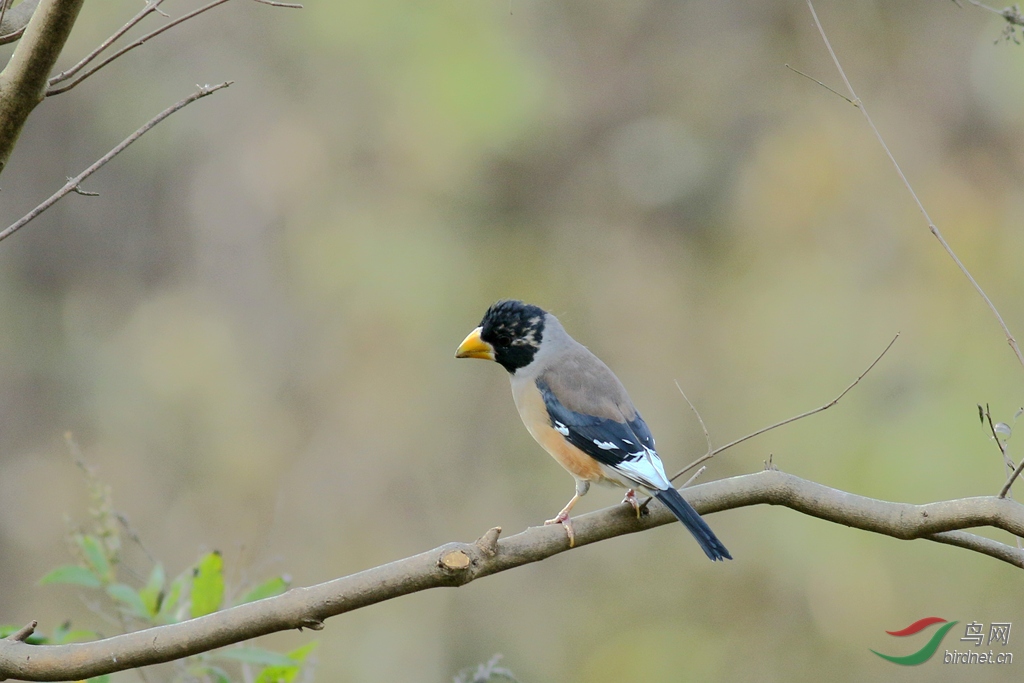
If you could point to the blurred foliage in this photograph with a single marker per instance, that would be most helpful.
(251, 329)
(199, 590)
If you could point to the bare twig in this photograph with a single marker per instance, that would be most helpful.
(1011, 471)
(1012, 14)
(456, 564)
(4, 5)
(84, 193)
(899, 171)
(131, 46)
(811, 78)
(13, 22)
(693, 478)
(152, 34)
(1009, 482)
(999, 443)
(151, 6)
(707, 436)
(761, 431)
(74, 182)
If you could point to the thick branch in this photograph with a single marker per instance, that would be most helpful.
(455, 564)
(24, 80)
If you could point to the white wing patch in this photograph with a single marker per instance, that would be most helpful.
(561, 428)
(647, 470)
(605, 445)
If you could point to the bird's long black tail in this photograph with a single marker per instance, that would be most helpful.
(709, 543)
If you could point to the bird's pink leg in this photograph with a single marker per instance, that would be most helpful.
(563, 519)
(631, 499)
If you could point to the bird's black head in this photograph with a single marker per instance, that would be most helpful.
(515, 331)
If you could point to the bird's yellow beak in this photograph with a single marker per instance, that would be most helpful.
(475, 347)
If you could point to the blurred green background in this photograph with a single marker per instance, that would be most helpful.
(251, 330)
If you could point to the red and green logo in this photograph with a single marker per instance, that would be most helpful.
(926, 652)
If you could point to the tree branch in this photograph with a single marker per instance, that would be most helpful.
(932, 227)
(15, 19)
(712, 453)
(24, 80)
(455, 564)
(136, 43)
(151, 6)
(73, 183)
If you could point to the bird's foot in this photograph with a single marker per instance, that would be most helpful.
(631, 500)
(563, 519)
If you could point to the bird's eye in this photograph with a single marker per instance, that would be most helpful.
(504, 339)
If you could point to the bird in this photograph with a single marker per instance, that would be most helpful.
(578, 411)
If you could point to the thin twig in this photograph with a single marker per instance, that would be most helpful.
(811, 78)
(1011, 471)
(1009, 482)
(152, 34)
(1002, 448)
(819, 409)
(694, 477)
(899, 171)
(1012, 13)
(151, 6)
(707, 436)
(84, 193)
(74, 182)
(133, 45)
(4, 4)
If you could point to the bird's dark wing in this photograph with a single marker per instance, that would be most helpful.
(626, 446)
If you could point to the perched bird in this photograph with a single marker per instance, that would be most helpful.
(579, 412)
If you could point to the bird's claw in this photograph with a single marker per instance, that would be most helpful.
(567, 525)
(631, 500)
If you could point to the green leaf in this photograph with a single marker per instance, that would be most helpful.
(77, 635)
(63, 635)
(153, 592)
(61, 632)
(105, 678)
(129, 599)
(256, 655)
(72, 573)
(95, 556)
(208, 585)
(299, 654)
(170, 602)
(268, 589)
(278, 674)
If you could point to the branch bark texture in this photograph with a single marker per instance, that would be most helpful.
(24, 80)
(455, 564)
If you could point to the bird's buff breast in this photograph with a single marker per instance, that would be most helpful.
(535, 416)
